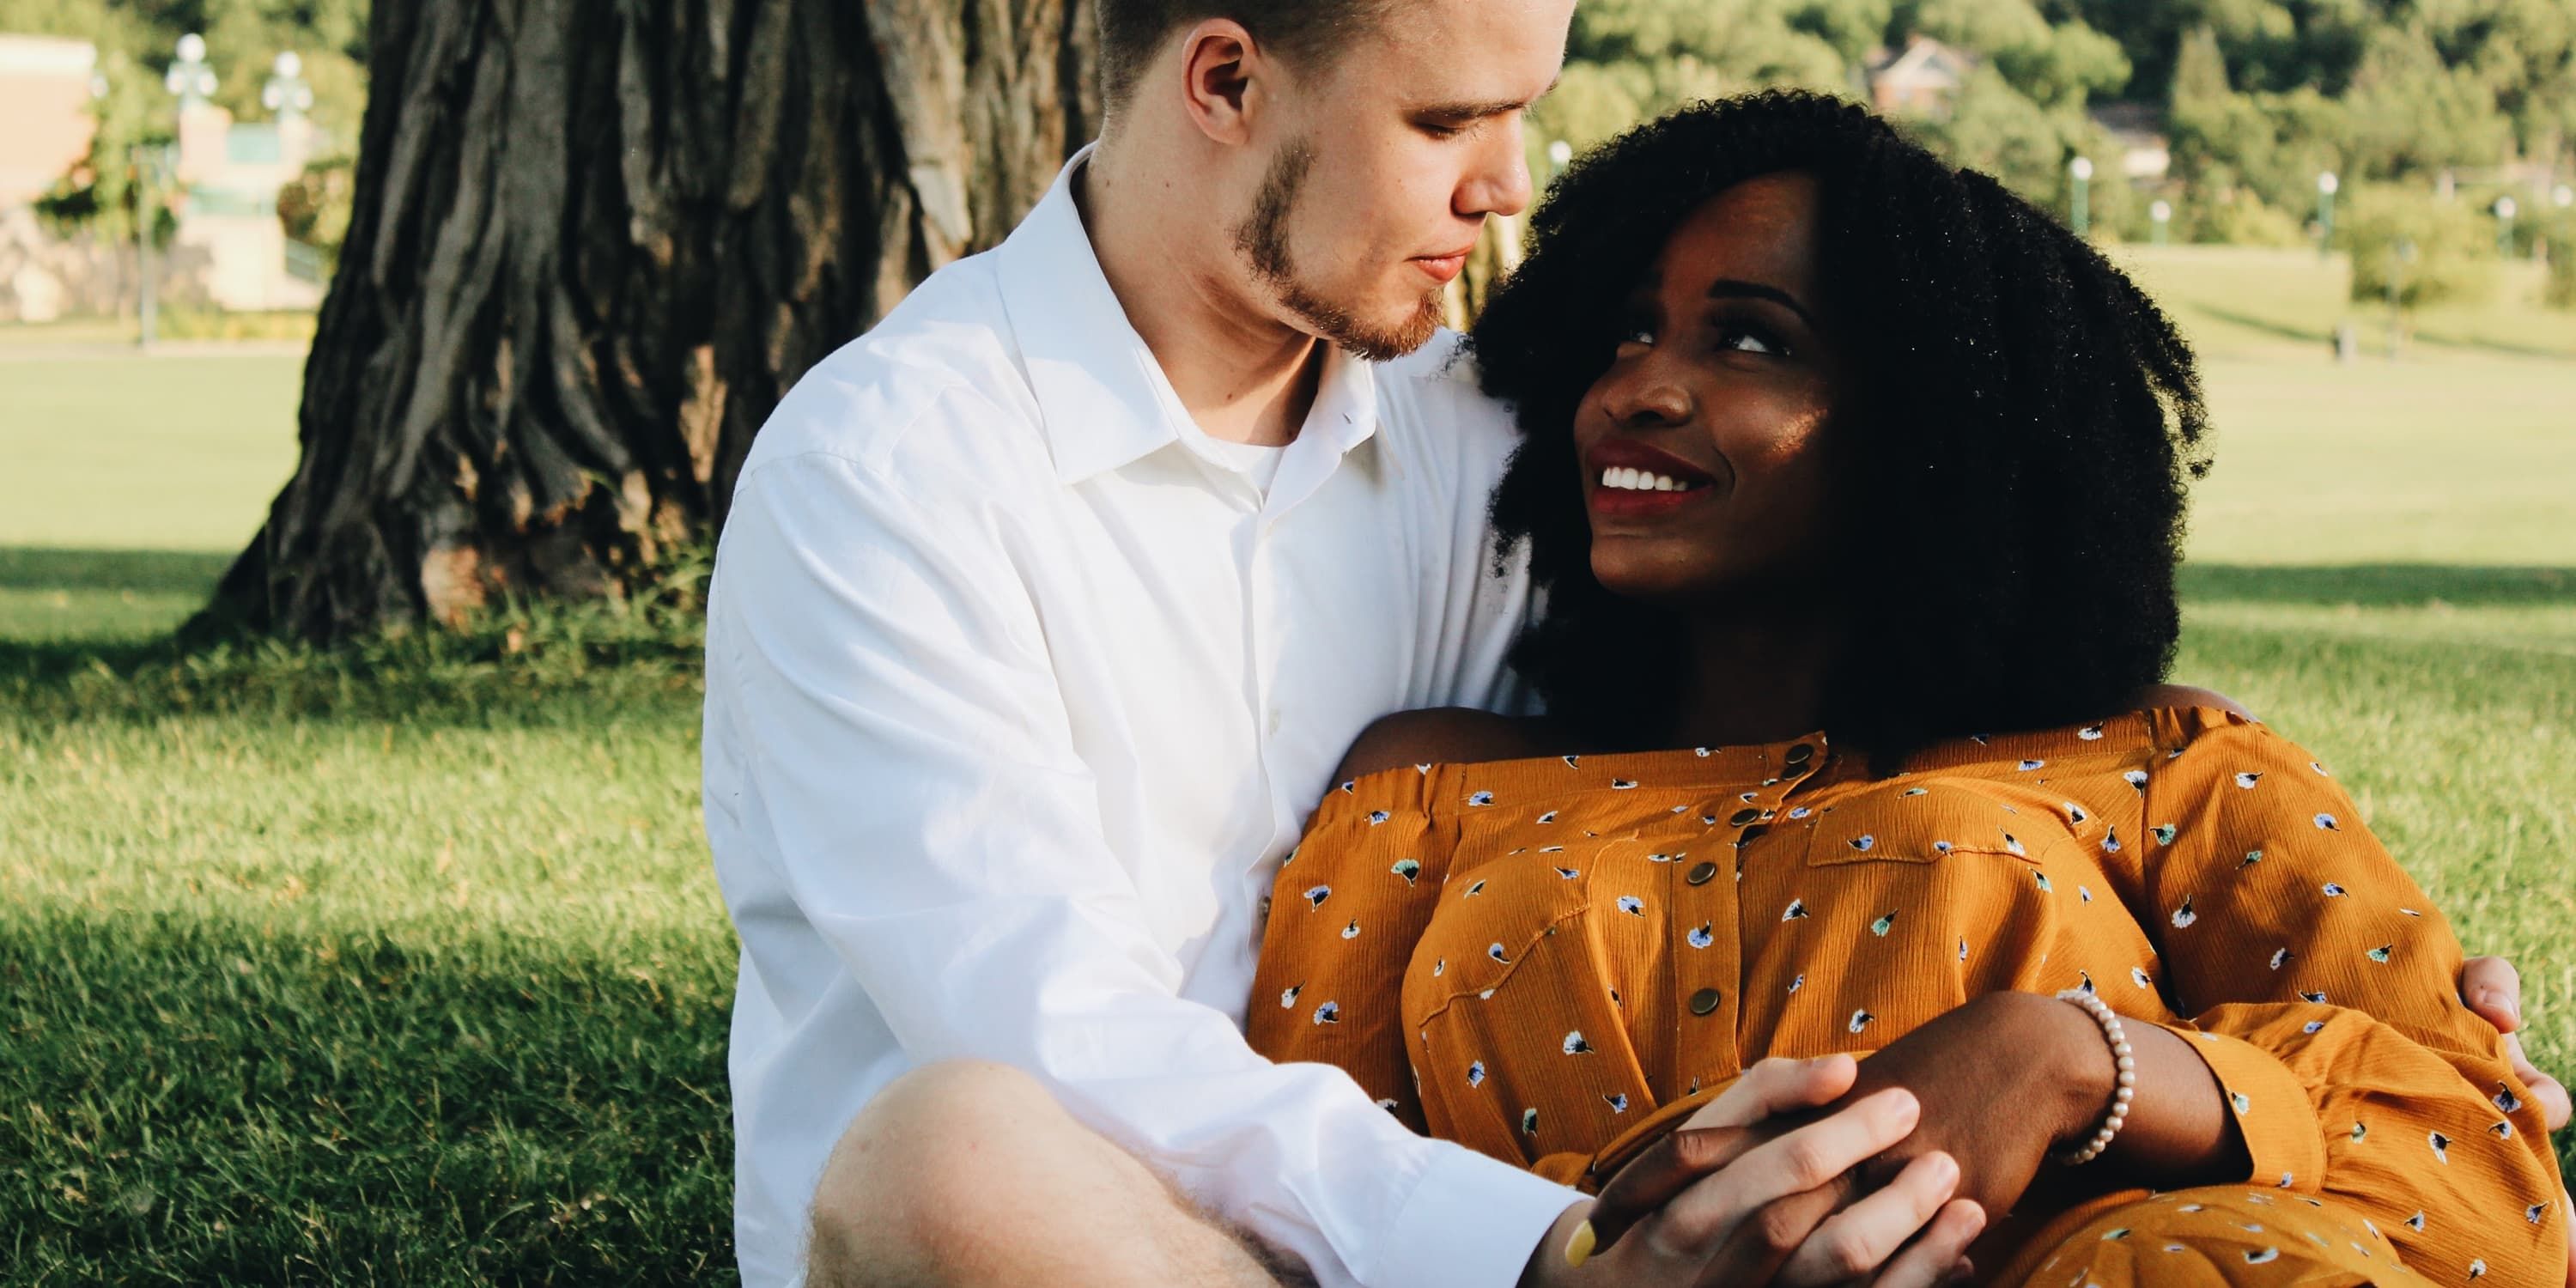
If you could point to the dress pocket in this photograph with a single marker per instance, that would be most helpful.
(1928, 820)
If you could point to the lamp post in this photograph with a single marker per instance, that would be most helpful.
(2399, 256)
(2327, 184)
(2162, 214)
(2504, 212)
(192, 80)
(287, 94)
(2080, 200)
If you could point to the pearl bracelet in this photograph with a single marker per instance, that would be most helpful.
(2123, 1059)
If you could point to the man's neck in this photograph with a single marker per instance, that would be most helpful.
(1242, 375)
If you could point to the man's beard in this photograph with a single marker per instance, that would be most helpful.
(1263, 239)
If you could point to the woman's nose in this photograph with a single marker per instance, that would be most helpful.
(1641, 394)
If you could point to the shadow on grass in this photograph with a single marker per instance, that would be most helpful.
(2379, 585)
(195, 1101)
(2268, 326)
(143, 571)
(2373, 338)
(543, 663)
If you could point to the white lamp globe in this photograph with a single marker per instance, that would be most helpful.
(2161, 211)
(2082, 167)
(192, 48)
(290, 64)
(1560, 152)
(2327, 183)
(2505, 207)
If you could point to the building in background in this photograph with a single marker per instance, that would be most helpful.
(230, 174)
(45, 101)
(2146, 155)
(1921, 80)
(229, 250)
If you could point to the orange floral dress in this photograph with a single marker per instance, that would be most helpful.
(1554, 961)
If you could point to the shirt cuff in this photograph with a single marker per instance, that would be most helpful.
(1471, 1222)
(2270, 1106)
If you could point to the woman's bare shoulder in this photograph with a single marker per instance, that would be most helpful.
(1441, 736)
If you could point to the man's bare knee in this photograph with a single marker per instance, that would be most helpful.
(920, 1164)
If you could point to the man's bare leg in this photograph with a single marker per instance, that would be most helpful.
(968, 1173)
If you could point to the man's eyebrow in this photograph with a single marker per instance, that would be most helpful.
(1736, 288)
(1464, 113)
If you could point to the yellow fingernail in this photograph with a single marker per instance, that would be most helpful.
(1579, 1248)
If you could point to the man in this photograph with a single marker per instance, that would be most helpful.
(1044, 612)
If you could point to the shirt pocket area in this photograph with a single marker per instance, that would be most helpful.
(1927, 820)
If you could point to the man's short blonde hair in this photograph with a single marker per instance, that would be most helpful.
(1306, 33)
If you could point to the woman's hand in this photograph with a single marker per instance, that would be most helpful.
(1745, 1194)
(2007, 1079)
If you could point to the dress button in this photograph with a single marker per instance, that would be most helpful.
(1702, 873)
(1800, 755)
(1704, 1001)
(1743, 816)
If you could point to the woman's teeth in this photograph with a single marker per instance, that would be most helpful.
(1628, 480)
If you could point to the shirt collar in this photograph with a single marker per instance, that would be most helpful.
(1103, 399)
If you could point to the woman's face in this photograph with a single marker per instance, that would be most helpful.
(1721, 386)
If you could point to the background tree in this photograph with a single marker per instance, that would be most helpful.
(592, 244)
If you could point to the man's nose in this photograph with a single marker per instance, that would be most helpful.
(1500, 182)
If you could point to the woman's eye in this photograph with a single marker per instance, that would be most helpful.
(1749, 340)
(1637, 335)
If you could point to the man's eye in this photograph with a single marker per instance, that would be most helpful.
(1439, 131)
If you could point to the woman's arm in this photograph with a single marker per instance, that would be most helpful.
(2324, 985)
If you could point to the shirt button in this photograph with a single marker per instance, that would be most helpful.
(1704, 1001)
(1702, 873)
(1800, 755)
(1743, 816)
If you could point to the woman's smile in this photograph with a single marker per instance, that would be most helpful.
(1631, 480)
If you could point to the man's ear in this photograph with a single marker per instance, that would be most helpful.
(1225, 77)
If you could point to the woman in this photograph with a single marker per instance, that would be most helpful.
(1861, 482)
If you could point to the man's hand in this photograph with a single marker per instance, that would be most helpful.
(1742, 1194)
(2493, 989)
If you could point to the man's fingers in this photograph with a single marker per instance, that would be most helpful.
(1941, 1255)
(1779, 1086)
(1754, 1251)
(1664, 1170)
(2547, 1092)
(1697, 1221)
(1852, 1244)
(2493, 989)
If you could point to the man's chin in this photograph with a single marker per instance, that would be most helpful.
(1384, 337)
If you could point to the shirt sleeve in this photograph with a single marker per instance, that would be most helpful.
(920, 796)
(2323, 987)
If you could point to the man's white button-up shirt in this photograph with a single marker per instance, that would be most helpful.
(1016, 695)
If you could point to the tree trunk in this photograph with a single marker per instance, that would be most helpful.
(594, 242)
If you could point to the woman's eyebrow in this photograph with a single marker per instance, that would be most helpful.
(1736, 288)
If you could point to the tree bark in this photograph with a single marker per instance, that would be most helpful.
(594, 242)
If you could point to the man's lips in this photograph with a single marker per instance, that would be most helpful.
(1444, 268)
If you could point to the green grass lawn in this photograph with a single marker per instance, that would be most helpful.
(404, 964)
